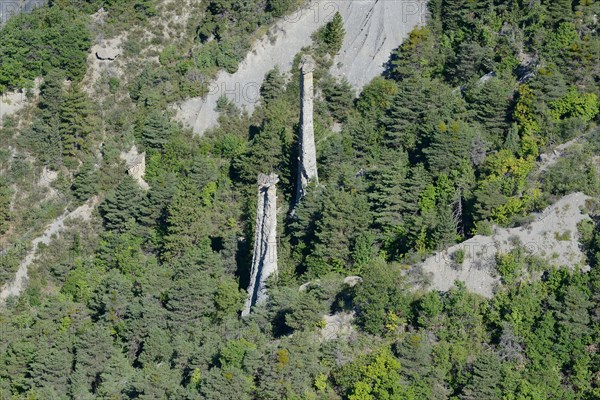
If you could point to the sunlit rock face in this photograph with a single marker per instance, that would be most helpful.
(307, 159)
(264, 259)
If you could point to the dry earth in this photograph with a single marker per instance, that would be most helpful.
(553, 235)
(373, 29)
(14, 287)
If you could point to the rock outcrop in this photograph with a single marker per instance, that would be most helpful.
(136, 166)
(12, 102)
(553, 235)
(264, 259)
(307, 154)
(373, 29)
(107, 54)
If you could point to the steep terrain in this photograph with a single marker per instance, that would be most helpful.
(9, 8)
(14, 287)
(373, 29)
(553, 236)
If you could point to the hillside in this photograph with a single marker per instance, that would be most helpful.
(372, 32)
(392, 200)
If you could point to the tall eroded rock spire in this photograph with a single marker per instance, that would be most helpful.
(264, 259)
(307, 154)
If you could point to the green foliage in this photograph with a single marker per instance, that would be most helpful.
(575, 105)
(47, 38)
(5, 200)
(85, 183)
(444, 145)
(459, 256)
(333, 34)
(372, 377)
(74, 125)
(486, 381)
(339, 97)
(381, 299)
(155, 130)
(376, 96)
(273, 85)
(418, 55)
(572, 173)
(123, 205)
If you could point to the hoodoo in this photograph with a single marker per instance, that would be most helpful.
(307, 155)
(264, 259)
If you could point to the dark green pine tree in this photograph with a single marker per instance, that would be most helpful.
(402, 118)
(333, 34)
(382, 292)
(5, 199)
(339, 97)
(304, 224)
(418, 55)
(486, 380)
(264, 154)
(47, 366)
(389, 186)
(75, 125)
(185, 311)
(156, 129)
(461, 14)
(188, 224)
(93, 346)
(512, 142)
(489, 103)
(450, 147)
(414, 223)
(344, 217)
(44, 136)
(86, 181)
(446, 225)
(366, 134)
(273, 86)
(122, 204)
(416, 357)
(117, 377)
(559, 10)
(227, 383)
(572, 312)
(471, 62)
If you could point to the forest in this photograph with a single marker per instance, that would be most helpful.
(143, 300)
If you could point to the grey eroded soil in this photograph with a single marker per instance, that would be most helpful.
(373, 29)
(16, 286)
(553, 235)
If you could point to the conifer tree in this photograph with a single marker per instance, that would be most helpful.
(417, 55)
(559, 10)
(513, 141)
(74, 122)
(388, 189)
(401, 120)
(339, 97)
(333, 34)
(122, 204)
(187, 225)
(44, 135)
(5, 199)
(85, 182)
(450, 147)
(155, 129)
(343, 217)
(116, 378)
(486, 381)
(489, 102)
(273, 85)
